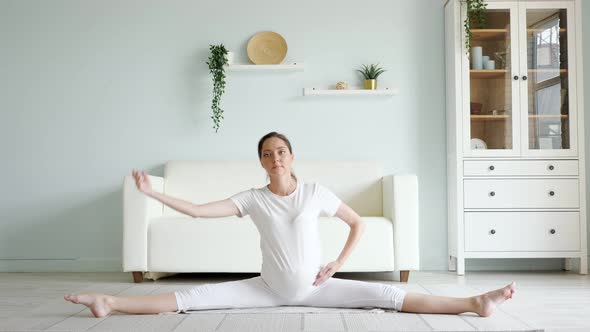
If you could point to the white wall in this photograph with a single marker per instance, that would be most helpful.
(90, 90)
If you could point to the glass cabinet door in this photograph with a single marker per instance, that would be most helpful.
(548, 122)
(492, 114)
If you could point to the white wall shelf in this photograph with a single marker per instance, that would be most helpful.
(295, 66)
(349, 92)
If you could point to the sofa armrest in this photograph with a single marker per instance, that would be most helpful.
(138, 209)
(400, 204)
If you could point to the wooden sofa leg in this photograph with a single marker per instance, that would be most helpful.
(404, 275)
(137, 277)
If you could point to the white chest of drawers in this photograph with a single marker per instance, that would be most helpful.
(519, 209)
(515, 134)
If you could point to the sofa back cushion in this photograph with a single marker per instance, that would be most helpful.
(357, 183)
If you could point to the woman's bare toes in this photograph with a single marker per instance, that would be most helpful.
(97, 303)
(490, 300)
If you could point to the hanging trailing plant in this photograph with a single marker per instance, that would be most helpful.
(476, 14)
(217, 61)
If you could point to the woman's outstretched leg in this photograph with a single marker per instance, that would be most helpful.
(483, 305)
(246, 293)
(346, 293)
(101, 304)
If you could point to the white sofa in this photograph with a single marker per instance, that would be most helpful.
(157, 238)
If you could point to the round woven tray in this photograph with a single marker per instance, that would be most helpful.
(267, 48)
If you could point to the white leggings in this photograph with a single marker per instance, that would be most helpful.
(255, 292)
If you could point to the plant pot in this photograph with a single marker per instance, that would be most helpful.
(230, 57)
(371, 84)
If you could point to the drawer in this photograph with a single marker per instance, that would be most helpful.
(519, 167)
(521, 193)
(522, 231)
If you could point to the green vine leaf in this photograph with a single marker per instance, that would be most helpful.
(476, 14)
(217, 61)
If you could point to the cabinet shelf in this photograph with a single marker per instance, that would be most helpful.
(548, 116)
(349, 92)
(295, 66)
(498, 34)
(489, 117)
(561, 71)
(501, 73)
(487, 73)
(488, 34)
(561, 30)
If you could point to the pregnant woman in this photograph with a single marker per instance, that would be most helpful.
(285, 213)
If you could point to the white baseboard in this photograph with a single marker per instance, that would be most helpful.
(86, 264)
(82, 264)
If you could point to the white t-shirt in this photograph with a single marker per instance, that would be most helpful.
(289, 233)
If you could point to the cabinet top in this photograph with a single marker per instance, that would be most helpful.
(449, 1)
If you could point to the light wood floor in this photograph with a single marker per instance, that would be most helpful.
(553, 301)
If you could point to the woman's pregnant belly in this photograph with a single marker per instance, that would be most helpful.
(293, 285)
(291, 257)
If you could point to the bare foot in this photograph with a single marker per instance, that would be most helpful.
(488, 302)
(99, 304)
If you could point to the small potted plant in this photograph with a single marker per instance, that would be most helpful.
(217, 61)
(371, 73)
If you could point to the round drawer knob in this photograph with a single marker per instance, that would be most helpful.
(524, 78)
(552, 231)
(492, 193)
(493, 231)
(492, 167)
(552, 193)
(516, 77)
(551, 167)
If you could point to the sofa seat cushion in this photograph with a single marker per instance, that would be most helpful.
(232, 244)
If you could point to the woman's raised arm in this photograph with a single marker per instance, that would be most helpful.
(217, 209)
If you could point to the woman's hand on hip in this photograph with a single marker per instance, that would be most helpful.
(327, 272)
